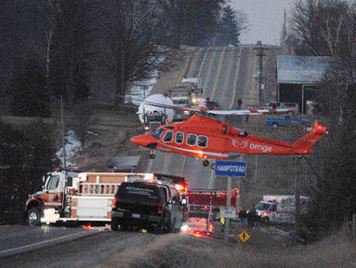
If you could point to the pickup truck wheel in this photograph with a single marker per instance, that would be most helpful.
(159, 229)
(114, 225)
(123, 227)
(34, 216)
(275, 125)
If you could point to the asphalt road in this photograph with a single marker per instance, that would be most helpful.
(227, 75)
(93, 248)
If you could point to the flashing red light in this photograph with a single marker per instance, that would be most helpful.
(197, 234)
(114, 203)
(181, 188)
(87, 227)
(160, 208)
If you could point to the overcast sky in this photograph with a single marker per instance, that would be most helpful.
(265, 18)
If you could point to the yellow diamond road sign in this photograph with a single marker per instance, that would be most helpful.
(244, 236)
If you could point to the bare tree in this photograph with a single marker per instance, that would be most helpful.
(131, 30)
(319, 27)
(329, 28)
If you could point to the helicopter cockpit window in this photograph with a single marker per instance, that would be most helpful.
(168, 136)
(191, 139)
(202, 141)
(179, 137)
(157, 133)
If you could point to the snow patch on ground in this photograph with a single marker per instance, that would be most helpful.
(71, 147)
(141, 89)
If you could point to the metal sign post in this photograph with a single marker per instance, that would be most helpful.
(228, 204)
(229, 169)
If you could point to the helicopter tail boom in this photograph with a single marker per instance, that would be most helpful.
(304, 144)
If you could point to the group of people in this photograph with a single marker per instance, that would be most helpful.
(248, 218)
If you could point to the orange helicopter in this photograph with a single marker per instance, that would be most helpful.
(204, 137)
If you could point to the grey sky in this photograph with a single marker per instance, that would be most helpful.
(265, 18)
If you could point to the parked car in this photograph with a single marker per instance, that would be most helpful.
(147, 205)
(288, 120)
(213, 105)
(291, 105)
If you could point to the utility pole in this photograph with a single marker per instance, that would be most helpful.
(260, 53)
(297, 194)
(63, 133)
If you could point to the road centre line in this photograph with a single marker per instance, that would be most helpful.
(233, 99)
(218, 72)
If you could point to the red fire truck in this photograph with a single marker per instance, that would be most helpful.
(207, 203)
(82, 197)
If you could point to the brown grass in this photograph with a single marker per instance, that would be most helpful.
(261, 251)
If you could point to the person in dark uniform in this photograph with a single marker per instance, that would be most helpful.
(252, 217)
(243, 217)
(239, 104)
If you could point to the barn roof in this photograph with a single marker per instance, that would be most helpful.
(301, 69)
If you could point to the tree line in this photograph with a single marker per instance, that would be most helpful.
(51, 48)
(70, 49)
(328, 28)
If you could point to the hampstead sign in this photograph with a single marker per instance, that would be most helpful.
(230, 168)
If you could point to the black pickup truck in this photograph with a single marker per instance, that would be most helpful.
(147, 205)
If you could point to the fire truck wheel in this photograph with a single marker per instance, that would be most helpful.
(34, 216)
(114, 225)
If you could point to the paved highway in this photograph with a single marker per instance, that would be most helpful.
(227, 74)
(62, 248)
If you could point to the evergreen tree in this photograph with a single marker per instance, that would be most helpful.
(24, 159)
(71, 50)
(190, 22)
(30, 96)
(228, 28)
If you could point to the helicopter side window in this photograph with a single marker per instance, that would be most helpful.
(202, 141)
(179, 137)
(191, 139)
(157, 133)
(168, 136)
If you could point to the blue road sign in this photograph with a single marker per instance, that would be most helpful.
(230, 168)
